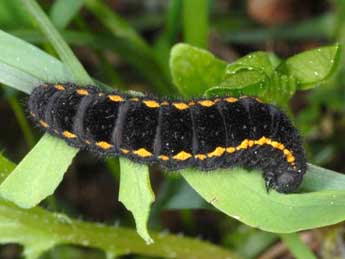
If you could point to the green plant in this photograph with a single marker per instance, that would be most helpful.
(195, 72)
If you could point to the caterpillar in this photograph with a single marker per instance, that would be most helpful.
(204, 133)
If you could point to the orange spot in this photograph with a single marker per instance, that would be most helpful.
(44, 124)
(230, 149)
(82, 92)
(142, 152)
(261, 141)
(59, 87)
(231, 99)
(286, 152)
(125, 151)
(103, 144)
(151, 104)
(281, 146)
(115, 98)
(251, 143)
(243, 145)
(69, 134)
(206, 103)
(291, 158)
(275, 144)
(182, 156)
(163, 157)
(181, 106)
(217, 152)
(201, 156)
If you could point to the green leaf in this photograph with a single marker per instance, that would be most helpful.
(26, 186)
(254, 75)
(137, 195)
(30, 63)
(252, 71)
(63, 11)
(297, 247)
(312, 67)
(24, 66)
(242, 195)
(6, 167)
(277, 89)
(57, 41)
(195, 70)
(258, 60)
(31, 194)
(195, 23)
(11, 9)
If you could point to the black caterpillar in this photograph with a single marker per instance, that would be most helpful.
(204, 133)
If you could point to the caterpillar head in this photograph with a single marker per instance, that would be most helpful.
(284, 180)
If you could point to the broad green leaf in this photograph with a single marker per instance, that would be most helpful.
(256, 60)
(137, 195)
(312, 67)
(254, 75)
(249, 75)
(242, 195)
(241, 77)
(277, 89)
(195, 70)
(27, 186)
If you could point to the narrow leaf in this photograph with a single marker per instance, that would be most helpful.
(57, 41)
(195, 23)
(137, 195)
(24, 66)
(26, 186)
(63, 11)
(297, 247)
(32, 61)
